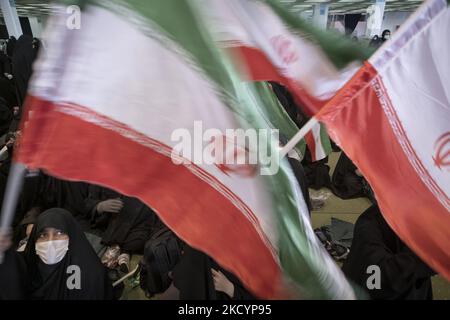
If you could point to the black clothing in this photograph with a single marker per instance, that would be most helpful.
(49, 282)
(193, 278)
(346, 184)
(300, 175)
(130, 228)
(12, 277)
(22, 61)
(403, 275)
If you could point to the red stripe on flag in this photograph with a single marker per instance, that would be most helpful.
(310, 141)
(259, 68)
(71, 148)
(356, 120)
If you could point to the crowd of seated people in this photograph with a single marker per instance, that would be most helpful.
(50, 237)
(51, 243)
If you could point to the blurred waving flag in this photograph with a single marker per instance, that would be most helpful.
(272, 45)
(103, 107)
(393, 120)
(276, 116)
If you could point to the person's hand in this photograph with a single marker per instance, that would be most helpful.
(111, 205)
(10, 142)
(17, 138)
(221, 283)
(29, 229)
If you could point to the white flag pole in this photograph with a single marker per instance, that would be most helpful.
(3, 151)
(125, 277)
(298, 136)
(13, 188)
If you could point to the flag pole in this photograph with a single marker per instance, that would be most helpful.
(13, 188)
(129, 274)
(298, 136)
(3, 151)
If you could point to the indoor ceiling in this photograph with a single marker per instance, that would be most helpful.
(351, 6)
(43, 8)
(36, 8)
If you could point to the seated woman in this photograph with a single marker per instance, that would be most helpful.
(198, 277)
(127, 224)
(60, 262)
(347, 181)
(403, 276)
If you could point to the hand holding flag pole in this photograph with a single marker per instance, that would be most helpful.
(3, 151)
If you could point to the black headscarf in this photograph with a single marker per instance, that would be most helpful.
(346, 184)
(49, 282)
(22, 61)
(383, 35)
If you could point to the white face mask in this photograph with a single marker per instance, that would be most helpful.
(52, 252)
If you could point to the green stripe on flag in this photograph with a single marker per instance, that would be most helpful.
(299, 252)
(325, 139)
(275, 115)
(304, 262)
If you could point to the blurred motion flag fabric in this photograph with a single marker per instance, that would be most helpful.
(272, 45)
(393, 120)
(103, 105)
(276, 116)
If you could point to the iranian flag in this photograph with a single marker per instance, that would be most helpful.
(108, 104)
(273, 45)
(276, 116)
(393, 120)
